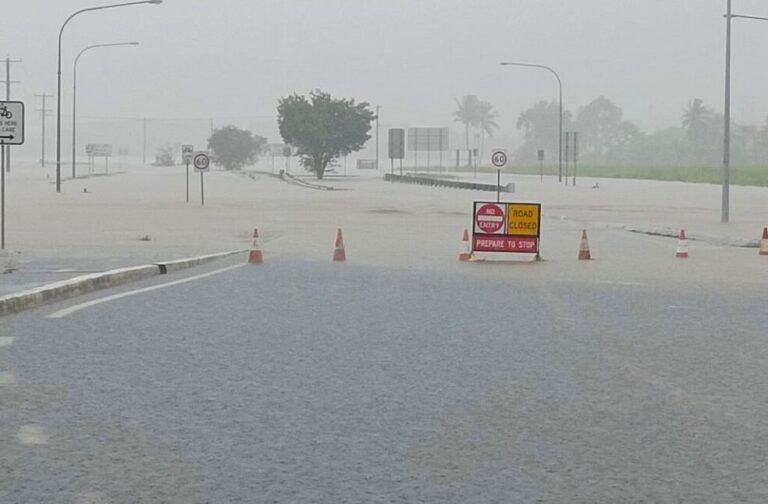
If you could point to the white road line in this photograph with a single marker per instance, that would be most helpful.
(6, 341)
(32, 435)
(76, 308)
(612, 282)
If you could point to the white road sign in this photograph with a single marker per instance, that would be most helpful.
(11, 122)
(499, 158)
(187, 151)
(201, 161)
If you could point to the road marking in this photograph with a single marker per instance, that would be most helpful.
(73, 309)
(611, 282)
(6, 341)
(6, 378)
(32, 435)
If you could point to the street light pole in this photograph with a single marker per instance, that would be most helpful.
(58, 76)
(560, 102)
(725, 207)
(74, 96)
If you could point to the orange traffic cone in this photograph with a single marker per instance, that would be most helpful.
(255, 256)
(682, 246)
(764, 242)
(339, 254)
(465, 253)
(584, 254)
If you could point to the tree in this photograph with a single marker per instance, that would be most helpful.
(598, 121)
(164, 155)
(323, 128)
(468, 113)
(234, 148)
(485, 122)
(540, 125)
(696, 118)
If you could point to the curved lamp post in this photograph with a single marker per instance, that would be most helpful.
(725, 205)
(74, 95)
(560, 136)
(58, 77)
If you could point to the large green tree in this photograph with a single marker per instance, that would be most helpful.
(234, 148)
(323, 128)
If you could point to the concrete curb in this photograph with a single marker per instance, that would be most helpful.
(715, 240)
(58, 291)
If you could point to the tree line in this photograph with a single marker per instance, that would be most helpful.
(606, 137)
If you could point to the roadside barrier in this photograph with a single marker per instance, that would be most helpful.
(465, 252)
(452, 184)
(584, 254)
(682, 246)
(339, 254)
(255, 256)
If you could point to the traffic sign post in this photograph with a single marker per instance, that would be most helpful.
(499, 158)
(187, 151)
(11, 133)
(506, 227)
(202, 163)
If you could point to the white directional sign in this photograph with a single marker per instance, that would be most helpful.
(11, 122)
(499, 158)
(187, 151)
(201, 161)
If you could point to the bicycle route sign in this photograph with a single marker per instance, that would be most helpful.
(11, 122)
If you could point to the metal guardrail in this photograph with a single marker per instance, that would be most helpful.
(452, 184)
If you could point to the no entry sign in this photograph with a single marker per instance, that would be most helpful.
(490, 218)
(506, 227)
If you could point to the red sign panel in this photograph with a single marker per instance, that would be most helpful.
(503, 243)
(489, 219)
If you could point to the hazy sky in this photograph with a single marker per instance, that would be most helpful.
(234, 58)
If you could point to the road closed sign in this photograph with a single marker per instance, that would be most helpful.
(490, 218)
(506, 227)
(523, 219)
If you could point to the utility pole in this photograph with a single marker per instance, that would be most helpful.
(378, 107)
(725, 205)
(144, 155)
(43, 112)
(7, 151)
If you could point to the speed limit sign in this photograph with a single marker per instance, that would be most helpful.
(499, 158)
(201, 162)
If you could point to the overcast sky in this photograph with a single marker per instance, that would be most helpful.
(234, 58)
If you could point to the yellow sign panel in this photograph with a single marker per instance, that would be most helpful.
(523, 219)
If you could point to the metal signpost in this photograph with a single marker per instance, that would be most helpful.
(541, 164)
(396, 147)
(427, 140)
(98, 150)
(499, 160)
(187, 151)
(575, 154)
(11, 133)
(202, 163)
(506, 227)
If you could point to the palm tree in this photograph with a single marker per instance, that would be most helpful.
(468, 113)
(486, 123)
(696, 118)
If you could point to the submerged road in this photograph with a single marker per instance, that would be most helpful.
(334, 383)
